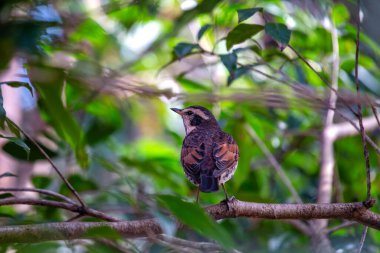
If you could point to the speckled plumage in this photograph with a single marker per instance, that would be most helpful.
(209, 156)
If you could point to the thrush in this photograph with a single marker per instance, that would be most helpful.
(209, 156)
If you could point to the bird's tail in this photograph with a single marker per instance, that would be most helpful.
(208, 184)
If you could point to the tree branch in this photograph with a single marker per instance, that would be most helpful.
(275, 164)
(42, 191)
(359, 114)
(67, 183)
(326, 174)
(345, 224)
(345, 129)
(62, 205)
(362, 239)
(141, 228)
(200, 246)
(360, 119)
(369, 140)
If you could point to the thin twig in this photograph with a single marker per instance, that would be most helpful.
(374, 110)
(276, 165)
(345, 129)
(359, 114)
(362, 239)
(327, 159)
(62, 205)
(369, 140)
(340, 226)
(177, 248)
(42, 191)
(322, 78)
(202, 246)
(288, 80)
(67, 183)
(80, 215)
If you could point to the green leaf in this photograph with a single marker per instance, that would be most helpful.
(236, 74)
(49, 84)
(106, 120)
(6, 195)
(7, 174)
(100, 247)
(229, 61)
(98, 130)
(2, 111)
(13, 128)
(20, 143)
(202, 31)
(18, 152)
(41, 182)
(340, 14)
(242, 32)
(245, 14)
(79, 183)
(195, 217)
(19, 84)
(183, 49)
(191, 85)
(278, 32)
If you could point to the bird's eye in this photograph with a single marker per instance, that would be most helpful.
(189, 113)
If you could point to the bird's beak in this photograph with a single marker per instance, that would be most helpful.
(176, 110)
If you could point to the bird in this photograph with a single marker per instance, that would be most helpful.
(209, 156)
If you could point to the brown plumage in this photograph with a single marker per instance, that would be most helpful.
(209, 156)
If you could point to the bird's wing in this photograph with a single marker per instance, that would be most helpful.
(226, 155)
(191, 158)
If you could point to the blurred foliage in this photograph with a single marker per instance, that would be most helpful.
(104, 74)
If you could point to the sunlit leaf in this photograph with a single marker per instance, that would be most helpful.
(195, 217)
(92, 32)
(203, 30)
(241, 33)
(278, 32)
(245, 14)
(191, 85)
(340, 14)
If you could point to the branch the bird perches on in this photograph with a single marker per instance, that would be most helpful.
(357, 211)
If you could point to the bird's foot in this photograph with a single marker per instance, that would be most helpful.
(228, 202)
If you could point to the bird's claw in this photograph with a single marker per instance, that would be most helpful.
(228, 202)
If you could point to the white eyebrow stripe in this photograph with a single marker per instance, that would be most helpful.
(198, 112)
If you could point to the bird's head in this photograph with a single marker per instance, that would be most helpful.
(196, 117)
